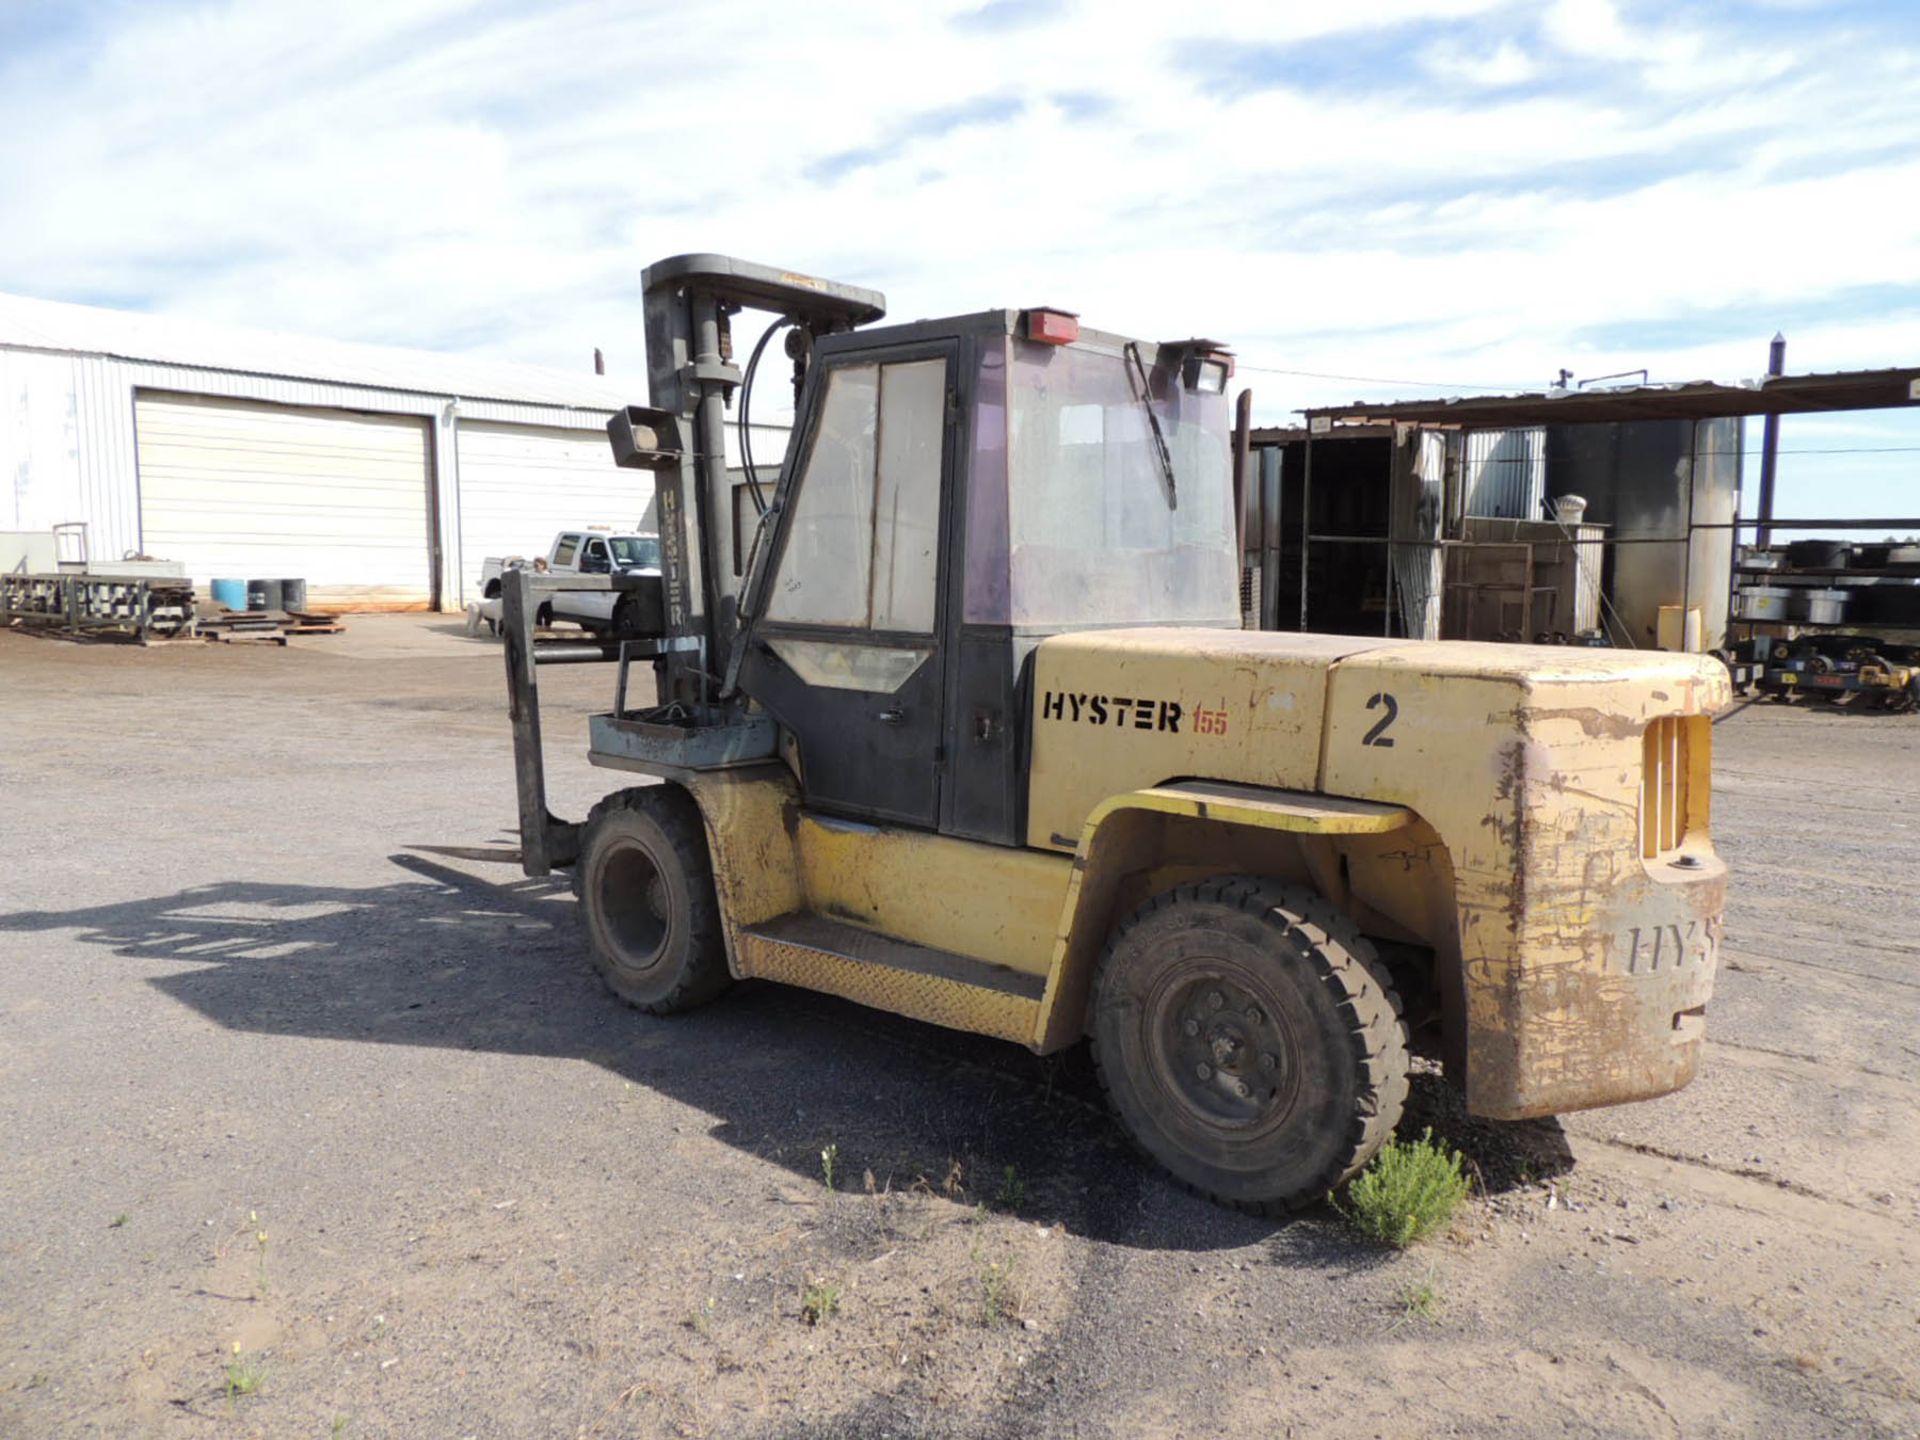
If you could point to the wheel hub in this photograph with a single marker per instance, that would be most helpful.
(1224, 1053)
(637, 906)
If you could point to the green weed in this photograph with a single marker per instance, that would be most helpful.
(1421, 1301)
(1013, 1190)
(819, 1303)
(245, 1376)
(121, 1219)
(260, 1239)
(1000, 1297)
(1409, 1192)
(829, 1160)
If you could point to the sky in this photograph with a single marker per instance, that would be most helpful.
(1369, 199)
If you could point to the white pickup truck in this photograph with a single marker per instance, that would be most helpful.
(586, 551)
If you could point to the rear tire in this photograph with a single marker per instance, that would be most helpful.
(1250, 1040)
(645, 882)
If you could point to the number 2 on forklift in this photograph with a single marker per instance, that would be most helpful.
(956, 718)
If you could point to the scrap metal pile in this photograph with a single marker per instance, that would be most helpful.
(142, 608)
(1843, 670)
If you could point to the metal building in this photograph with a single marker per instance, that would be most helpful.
(383, 477)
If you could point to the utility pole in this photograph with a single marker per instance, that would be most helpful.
(1770, 444)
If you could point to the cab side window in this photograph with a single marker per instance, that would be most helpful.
(563, 553)
(862, 546)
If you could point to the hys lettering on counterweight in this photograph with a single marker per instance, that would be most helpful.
(1650, 949)
(1130, 712)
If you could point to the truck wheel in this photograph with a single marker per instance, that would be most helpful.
(645, 884)
(1251, 1041)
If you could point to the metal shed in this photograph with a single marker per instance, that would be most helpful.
(1402, 527)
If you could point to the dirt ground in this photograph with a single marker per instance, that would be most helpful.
(317, 1123)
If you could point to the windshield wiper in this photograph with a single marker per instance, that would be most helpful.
(1137, 378)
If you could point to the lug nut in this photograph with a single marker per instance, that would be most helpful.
(1192, 1027)
(1216, 1001)
(1254, 1017)
(1204, 1070)
(1240, 1089)
(1268, 1062)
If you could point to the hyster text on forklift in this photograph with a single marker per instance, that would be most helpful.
(957, 720)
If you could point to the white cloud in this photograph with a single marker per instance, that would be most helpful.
(1590, 28)
(1505, 64)
(1474, 207)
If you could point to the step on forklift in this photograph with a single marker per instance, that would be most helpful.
(957, 719)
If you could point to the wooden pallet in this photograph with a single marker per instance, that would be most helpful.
(237, 626)
(309, 623)
(267, 625)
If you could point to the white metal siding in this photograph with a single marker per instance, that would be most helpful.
(1506, 473)
(519, 484)
(264, 491)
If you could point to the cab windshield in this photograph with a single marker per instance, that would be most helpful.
(1071, 522)
(636, 552)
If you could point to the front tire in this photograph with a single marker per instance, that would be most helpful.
(645, 882)
(1250, 1040)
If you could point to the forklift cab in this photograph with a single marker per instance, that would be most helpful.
(959, 490)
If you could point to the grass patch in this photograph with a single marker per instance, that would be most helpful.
(700, 1321)
(119, 1220)
(1421, 1302)
(1001, 1296)
(1409, 1192)
(1013, 1190)
(819, 1303)
(998, 1300)
(245, 1376)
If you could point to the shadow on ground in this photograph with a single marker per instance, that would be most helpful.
(449, 960)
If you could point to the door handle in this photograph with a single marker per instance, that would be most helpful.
(891, 716)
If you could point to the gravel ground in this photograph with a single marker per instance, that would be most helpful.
(305, 1094)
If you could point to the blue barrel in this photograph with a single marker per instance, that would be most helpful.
(230, 594)
(293, 594)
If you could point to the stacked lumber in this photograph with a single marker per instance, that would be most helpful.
(265, 627)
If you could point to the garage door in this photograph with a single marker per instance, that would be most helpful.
(337, 498)
(520, 483)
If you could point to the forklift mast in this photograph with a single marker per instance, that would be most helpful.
(689, 304)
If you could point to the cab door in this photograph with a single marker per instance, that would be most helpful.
(590, 605)
(846, 652)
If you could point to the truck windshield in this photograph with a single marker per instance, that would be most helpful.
(1090, 535)
(632, 552)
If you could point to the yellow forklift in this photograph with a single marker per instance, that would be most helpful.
(956, 719)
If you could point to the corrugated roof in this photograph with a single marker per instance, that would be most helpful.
(1694, 400)
(177, 340)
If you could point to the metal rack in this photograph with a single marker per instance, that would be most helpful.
(141, 608)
